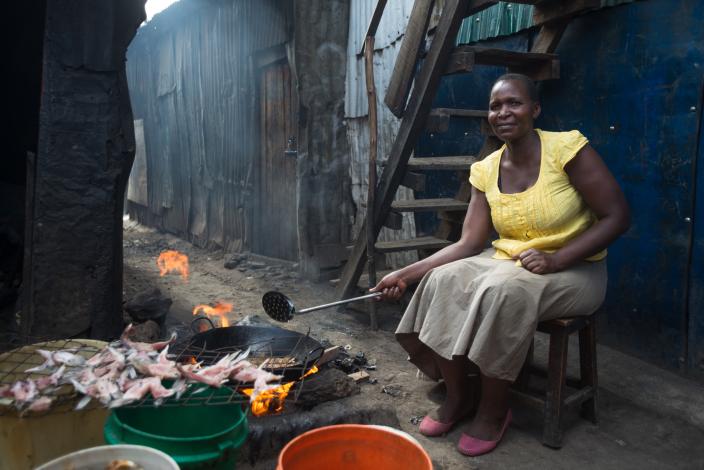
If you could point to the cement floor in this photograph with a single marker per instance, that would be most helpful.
(649, 418)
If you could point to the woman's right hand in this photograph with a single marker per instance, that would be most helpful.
(392, 286)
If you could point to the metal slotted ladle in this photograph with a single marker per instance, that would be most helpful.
(281, 308)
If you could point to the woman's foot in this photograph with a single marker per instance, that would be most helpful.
(486, 426)
(440, 421)
(451, 412)
(473, 446)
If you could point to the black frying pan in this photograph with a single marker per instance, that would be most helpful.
(263, 342)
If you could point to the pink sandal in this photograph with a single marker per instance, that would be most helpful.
(431, 428)
(473, 447)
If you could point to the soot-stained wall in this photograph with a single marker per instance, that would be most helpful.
(324, 198)
(23, 27)
(73, 258)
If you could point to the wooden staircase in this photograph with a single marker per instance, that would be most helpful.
(443, 58)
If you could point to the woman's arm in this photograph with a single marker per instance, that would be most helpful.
(475, 231)
(595, 183)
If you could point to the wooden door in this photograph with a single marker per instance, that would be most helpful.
(276, 211)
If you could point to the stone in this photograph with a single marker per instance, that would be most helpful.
(331, 384)
(149, 304)
(234, 260)
(147, 332)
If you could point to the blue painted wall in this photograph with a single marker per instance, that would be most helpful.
(631, 82)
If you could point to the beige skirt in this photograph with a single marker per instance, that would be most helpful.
(488, 309)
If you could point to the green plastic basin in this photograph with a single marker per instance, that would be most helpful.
(195, 436)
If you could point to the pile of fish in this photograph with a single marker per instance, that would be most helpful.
(125, 372)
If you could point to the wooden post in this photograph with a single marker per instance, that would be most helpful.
(405, 66)
(371, 233)
(411, 126)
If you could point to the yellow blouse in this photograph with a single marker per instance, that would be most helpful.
(545, 216)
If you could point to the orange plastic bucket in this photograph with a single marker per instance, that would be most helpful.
(354, 446)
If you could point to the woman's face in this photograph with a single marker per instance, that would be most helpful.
(511, 111)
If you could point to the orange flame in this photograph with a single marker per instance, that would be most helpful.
(173, 261)
(220, 309)
(272, 400)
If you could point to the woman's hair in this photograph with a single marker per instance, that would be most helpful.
(525, 80)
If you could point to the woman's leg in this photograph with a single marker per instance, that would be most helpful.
(459, 384)
(460, 395)
(493, 406)
(420, 355)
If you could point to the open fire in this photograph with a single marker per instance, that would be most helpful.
(271, 401)
(171, 261)
(219, 310)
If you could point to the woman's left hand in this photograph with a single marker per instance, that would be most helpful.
(538, 262)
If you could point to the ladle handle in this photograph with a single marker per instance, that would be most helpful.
(340, 302)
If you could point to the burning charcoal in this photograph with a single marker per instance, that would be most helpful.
(394, 390)
(346, 365)
(146, 332)
(359, 359)
(149, 304)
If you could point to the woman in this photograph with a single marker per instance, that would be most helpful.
(555, 207)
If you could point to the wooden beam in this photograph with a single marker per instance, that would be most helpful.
(394, 221)
(371, 190)
(549, 36)
(429, 205)
(411, 126)
(437, 122)
(474, 113)
(404, 68)
(439, 118)
(420, 243)
(374, 22)
(555, 10)
(442, 163)
(538, 66)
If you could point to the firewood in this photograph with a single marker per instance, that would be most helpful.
(358, 377)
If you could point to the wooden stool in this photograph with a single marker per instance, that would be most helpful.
(558, 396)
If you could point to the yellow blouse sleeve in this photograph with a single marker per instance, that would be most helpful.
(571, 143)
(477, 176)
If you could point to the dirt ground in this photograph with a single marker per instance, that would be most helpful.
(641, 426)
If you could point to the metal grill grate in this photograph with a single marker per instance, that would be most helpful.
(20, 354)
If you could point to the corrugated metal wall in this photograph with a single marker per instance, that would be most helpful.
(631, 82)
(504, 19)
(191, 81)
(387, 44)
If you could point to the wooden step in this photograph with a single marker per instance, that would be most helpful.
(474, 113)
(441, 163)
(439, 119)
(536, 65)
(420, 243)
(428, 205)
